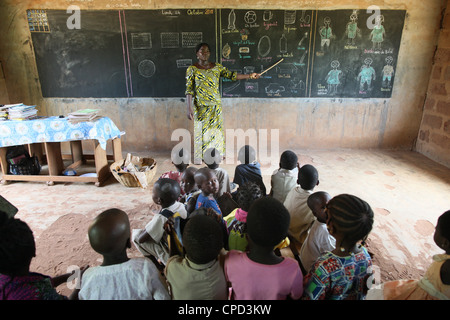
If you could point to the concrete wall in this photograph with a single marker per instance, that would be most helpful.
(303, 123)
(434, 135)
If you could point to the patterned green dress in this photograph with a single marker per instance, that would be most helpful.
(203, 85)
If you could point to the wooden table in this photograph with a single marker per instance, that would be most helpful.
(55, 160)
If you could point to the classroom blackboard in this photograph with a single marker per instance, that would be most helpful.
(355, 53)
(254, 40)
(145, 53)
(132, 53)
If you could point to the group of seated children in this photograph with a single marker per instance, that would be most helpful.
(199, 247)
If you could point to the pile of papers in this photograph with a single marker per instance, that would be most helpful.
(83, 115)
(20, 111)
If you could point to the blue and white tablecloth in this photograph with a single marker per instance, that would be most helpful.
(55, 129)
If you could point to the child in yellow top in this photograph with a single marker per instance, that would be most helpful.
(435, 285)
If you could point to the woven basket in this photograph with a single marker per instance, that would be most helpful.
(129, 179)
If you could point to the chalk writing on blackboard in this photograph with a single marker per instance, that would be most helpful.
(145, 53)
(142, 40)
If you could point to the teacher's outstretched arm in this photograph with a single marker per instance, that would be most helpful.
(253, 75)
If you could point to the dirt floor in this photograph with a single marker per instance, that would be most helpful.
(406, 190)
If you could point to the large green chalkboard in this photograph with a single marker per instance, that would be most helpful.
(145, 53)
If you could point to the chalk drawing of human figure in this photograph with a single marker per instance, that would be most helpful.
(388, 72)
(352, 30)
(378, 32)
(326, 34)
(366, 75)
(333, 77)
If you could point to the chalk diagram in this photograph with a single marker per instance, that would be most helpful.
(191, 39)
(300, 43)
(304, 19)
(274, 88)
(184, 63)
(351, 30)
(264, 46)
(252, 87)
(378, 32)
(141, 40)
(226, 51)
(283, 44)
(326, 34)
(250, 17)
(234, 85)
(232, 20)
(286, 68)
(296, 85)
(170, 40)
(267, 15)
(289, 16)
(366, 75)
(388, 72)
(333, 77)
(146, 68)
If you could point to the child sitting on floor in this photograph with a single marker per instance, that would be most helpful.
(119, 278)
(17, 249)
(249, 169)
(435, 285)
(341, 274)
(198, 275)
(152, 240)
(284, 179)
(319, 239)
(296, 203)
(207, 182)
(237, 220)
(213, 158)
(180, 159)
(190, 189)
(260, 274)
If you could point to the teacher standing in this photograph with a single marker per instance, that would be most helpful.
(204, 101)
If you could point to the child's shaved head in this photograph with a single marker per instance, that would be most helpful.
(109, 233)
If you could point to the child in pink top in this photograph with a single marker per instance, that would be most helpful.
(260, 274)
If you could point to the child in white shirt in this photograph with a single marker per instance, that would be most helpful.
(119, 277)
(284, 179)
(152, 240)
(296, 203)
(319, 239)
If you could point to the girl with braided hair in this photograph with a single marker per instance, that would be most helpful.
(341, 274)
(237, 220)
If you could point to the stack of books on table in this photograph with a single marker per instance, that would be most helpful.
(3, 112)
(21, 111)
(83, 115)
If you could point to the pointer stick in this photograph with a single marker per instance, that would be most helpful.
(271, 67)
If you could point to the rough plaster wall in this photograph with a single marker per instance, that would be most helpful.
(303, 123)
(434, 134)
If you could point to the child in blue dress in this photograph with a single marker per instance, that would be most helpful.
(208, 183)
